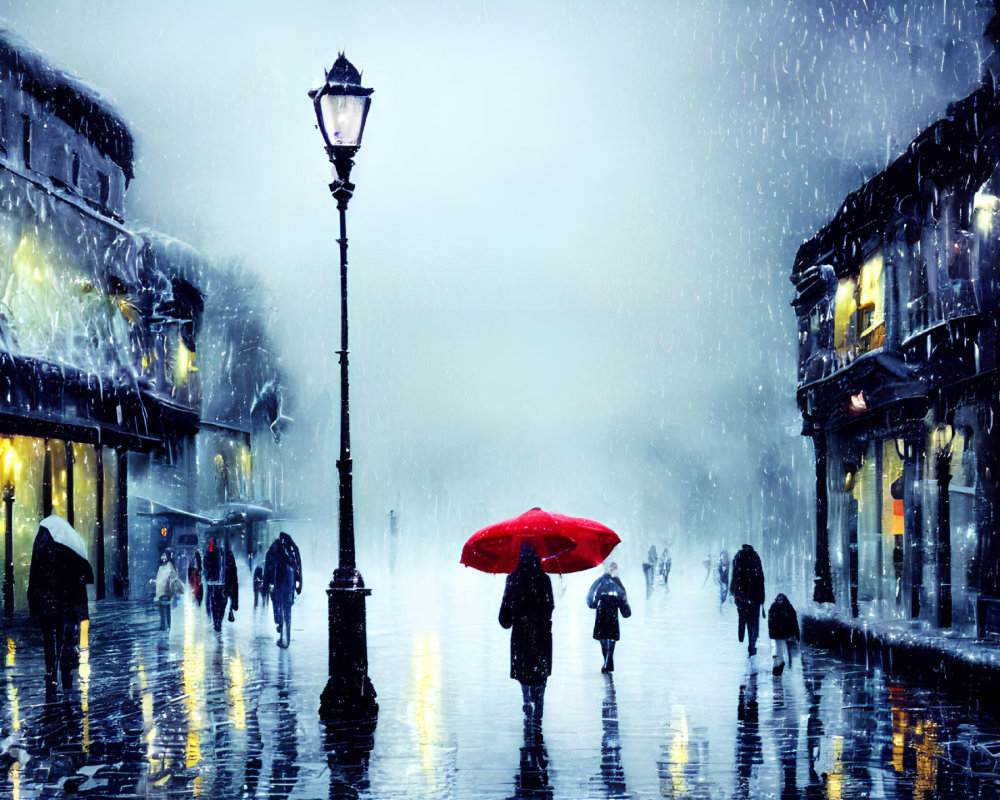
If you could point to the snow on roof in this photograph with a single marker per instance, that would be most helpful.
(69, 98)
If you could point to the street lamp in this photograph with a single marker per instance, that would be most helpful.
(10, 466)
(341, 109)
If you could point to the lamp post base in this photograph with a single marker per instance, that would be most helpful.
(349, 696)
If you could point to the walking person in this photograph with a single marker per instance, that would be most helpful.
(57, 595)
(649, 569)
(723, 578)
(215, 585)
(747, 588)
(607, 596)
(282, 581)
(526, 609)
(232, 582)
(168, 585)
(783, 628)
(194, 577)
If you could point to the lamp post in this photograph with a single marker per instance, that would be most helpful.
(9, 466)
(341, 106)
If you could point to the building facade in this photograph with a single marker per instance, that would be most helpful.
(100, 329)
(896, 302)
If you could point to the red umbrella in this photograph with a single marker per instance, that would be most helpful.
(564, 544)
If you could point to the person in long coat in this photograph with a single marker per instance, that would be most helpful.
(282, 581)
(232, 582)
(57, 596)
(167, 585)
(747, 588)
(215, 584)
(783, 628)
(526, 610)
(607, 596)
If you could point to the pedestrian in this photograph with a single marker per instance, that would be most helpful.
(649, 569)
(232, 582)
(282, 581)
(783, 628)
(57, 596)
(526, 610)
(747, 588)
(607, 596)
(722, 570)
(215, 585)
(665, 564)
(168, 586)
(259, 595)
(194, 577)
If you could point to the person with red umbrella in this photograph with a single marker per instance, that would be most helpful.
(526, 610)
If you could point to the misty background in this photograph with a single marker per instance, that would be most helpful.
(569, 242)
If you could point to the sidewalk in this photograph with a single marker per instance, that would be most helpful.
(964, 666)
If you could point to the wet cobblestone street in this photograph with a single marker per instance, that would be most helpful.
(194, 714)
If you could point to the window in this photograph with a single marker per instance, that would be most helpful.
(105, 187)
(75, 169)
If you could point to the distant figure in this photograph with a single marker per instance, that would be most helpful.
(607, 597)
(783, 628)
(168, 584)
(393, 540)
(649, 569)
(57, 596)
(282, 581)
(747, 588)
(194, 577)
(232, 583)
(722, 570)
(707, 564)
(666, 562)
(527, 610)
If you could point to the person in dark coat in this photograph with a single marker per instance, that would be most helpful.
(232, 583)
(783, 628)
(527, 610)
(282, 581)
(747, 588)
(57, 597)
(215, 584)
(607, 597)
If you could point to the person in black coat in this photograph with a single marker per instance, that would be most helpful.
(526, 610)
(57, 596)
(783, 628)
(607, 596)
(282, 581)
(747, 588)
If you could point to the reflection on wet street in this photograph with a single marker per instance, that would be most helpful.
(191, 713)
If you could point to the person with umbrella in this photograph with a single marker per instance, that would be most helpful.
(527, 547)
(57, 595)
(526, 610)
(607, 597)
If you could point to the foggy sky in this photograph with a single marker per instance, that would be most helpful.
(572, 228)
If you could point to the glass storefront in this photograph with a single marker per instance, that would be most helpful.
(26, 459)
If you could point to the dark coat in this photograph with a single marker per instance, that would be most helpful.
(782, 621)
(232, 580)
(527, 610)
(283, 570)
(607, 596)
(57, 581)
(747, 582)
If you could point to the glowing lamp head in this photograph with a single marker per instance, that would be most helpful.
(341, 106)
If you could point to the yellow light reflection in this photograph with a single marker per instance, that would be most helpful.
(15, 781)
(835, 780)
(985, 206)
(679, 751)
(11, 652)
(192, 674)
(237, 712)
(928, 751)
(426, 691)
(85, 681)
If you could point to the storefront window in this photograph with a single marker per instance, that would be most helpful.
(961, 496)
(869, 534)
(84, 500)
(892, 531)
